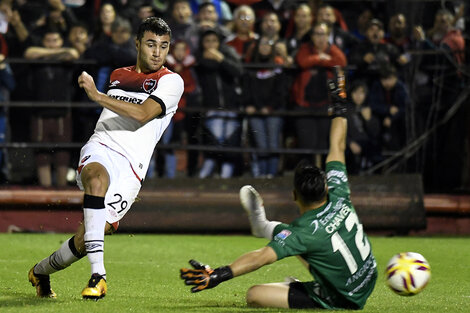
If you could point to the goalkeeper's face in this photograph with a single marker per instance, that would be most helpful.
(152, 50)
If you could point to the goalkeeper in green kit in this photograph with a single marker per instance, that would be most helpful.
(328, 237)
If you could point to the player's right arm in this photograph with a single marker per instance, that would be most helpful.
(143, 113)
(253, 260)
(203, 277)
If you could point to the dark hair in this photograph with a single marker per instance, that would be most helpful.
(155, 25)
(175, 2)
(80, 24)
(50, 30)
(356, 84)
(120, 22)
(268, 13)
(324, 6)
(205, 4)
(387, 71)
(209, 31)
(309, 183)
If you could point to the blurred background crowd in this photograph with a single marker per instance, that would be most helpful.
(255, 73)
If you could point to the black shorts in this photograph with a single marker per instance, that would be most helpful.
(298, 297)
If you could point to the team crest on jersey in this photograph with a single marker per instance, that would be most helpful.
(114, 83)
(149, 85)
(284, 234)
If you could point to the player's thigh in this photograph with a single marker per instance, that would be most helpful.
(122, 192)
(274, 295)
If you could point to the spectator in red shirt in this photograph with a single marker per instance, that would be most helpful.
(445, 34)
(315, 58)
(243, 20)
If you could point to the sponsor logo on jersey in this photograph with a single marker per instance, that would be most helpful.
(314, 224)
(284, 234)
(85, 158)
(340, 175)
(149, 85)
(127, 99)
(114, 83)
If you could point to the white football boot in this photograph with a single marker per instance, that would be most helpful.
(253, 205)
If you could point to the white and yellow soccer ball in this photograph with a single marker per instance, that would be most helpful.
(407, 273)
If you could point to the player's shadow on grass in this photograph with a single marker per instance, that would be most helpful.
(220, 307)
(19, 299)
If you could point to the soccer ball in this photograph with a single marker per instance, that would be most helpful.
(407, 273)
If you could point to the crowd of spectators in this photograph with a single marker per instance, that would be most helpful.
(257, 70)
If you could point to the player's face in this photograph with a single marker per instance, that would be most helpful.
(152, 50)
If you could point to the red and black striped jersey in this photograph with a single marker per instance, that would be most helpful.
(127, 136)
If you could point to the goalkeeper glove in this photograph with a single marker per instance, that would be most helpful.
(337, 90)
(203, 277)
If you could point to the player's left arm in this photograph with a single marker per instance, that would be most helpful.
(339, 126)
(149, 109)
(337, 140)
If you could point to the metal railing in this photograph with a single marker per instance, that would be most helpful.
(9, 144)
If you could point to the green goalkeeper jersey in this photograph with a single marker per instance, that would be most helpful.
(332, 241)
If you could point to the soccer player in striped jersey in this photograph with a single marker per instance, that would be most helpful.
(139, 105)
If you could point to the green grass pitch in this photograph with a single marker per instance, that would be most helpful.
(143, 274)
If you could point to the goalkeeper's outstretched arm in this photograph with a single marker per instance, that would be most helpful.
(253, 260)
(337, 140)
(338, 109)
(202, 277)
